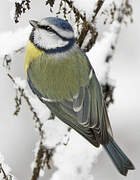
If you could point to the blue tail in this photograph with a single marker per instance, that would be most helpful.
(120, 160)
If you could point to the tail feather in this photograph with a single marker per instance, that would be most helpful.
(121, 161)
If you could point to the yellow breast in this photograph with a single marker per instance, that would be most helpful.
(32, 53)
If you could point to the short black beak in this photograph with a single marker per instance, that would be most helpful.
(33, 23)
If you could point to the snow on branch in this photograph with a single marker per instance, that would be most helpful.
(16, 41)
(104, 49)
(76, 160)
(5, 170)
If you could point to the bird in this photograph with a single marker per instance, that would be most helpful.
(59, 73)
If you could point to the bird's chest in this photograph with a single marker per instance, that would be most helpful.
(57, 79)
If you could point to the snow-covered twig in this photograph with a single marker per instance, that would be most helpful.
(42, 159)
(89, 27)
(44, 153)
(5, 170)
(124, 10)
(42, 150)
(102, 52)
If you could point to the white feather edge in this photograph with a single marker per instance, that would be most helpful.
(90, 74)
(46, 99)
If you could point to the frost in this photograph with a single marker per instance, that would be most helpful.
(87, 7)
(102, 48)
(19, 83)
(41, 173)
(5, 170)
(55, 131)
(69, 159)
(40, 108)
(16, 40)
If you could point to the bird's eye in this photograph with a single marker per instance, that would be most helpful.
(47, 28)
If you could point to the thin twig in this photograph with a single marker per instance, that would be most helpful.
(89, 26)
(38, 162)
(108, 89)
(35, 116)
(43, 151)
(5, 176)
(98, 7)
(75, 10)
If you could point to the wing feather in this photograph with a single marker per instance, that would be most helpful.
(92, 112)
(78, 101)
(71, 120)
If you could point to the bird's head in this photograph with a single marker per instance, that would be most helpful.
(52, 34)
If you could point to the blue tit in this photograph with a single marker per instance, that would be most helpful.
(60, 74)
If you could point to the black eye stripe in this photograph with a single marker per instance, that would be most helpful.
(47, 28)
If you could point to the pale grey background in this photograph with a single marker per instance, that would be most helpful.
(17, 135)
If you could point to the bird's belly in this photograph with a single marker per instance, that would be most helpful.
(55, 81)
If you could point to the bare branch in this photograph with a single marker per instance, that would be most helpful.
(99, 5)
(75, 10)
(21, 8)
(38, 162)
(88, 26)
(23, 94)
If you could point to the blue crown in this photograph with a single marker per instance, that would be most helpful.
(60, 23)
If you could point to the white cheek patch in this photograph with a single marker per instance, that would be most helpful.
(48, 40)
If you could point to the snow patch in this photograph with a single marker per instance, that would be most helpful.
(12, 41)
